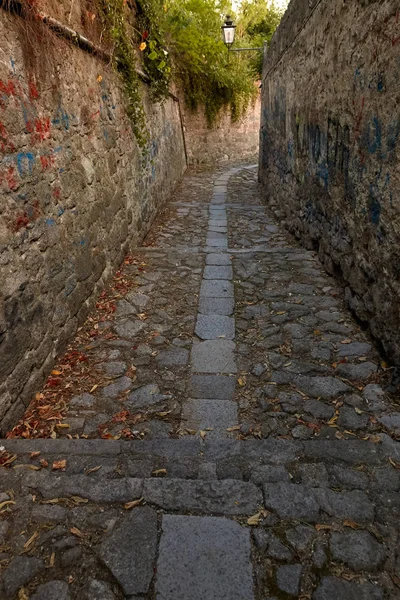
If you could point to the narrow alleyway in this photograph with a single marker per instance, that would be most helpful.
(218, 429)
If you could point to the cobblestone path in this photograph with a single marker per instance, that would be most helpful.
(218, 430)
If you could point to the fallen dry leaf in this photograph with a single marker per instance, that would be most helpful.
(77, 532)
(133, 503)
(394, 463)
(351, 524)
(323, 527)
(234, 428)
(59, 465)
(6, 503)
(92, 470)
(44, 462)
(34, 454)
(346, 341)
(203, 434)
(52, 559)
(255, 519)
(31, 541)
(159, 472)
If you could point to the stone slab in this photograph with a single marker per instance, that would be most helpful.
(129, 329)
(218, 272)
(216, 288)
(217, 242)
(214, 356)
(173, 357)
(218, 222)
(212, 386)
(218, 259)
(130, 550)
(217, 306)
(213, 415)
(223, 497)
(203, 558)
(95, 490)
(212, 327)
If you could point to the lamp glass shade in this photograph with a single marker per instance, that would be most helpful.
(228, 31)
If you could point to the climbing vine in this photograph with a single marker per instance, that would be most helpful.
(114, 18)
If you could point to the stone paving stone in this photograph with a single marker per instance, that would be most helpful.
(130, 550)
(321, 387)
(354, 349)
(332, 587)
(291, 501)
(218, 272)
(216, 288)
(213, 356)
(129, 329)
(354, 505)
(218, 229)
(146, 395)
(95, 490)
(203, 558)
(356, 372)
(358, 550)
(217, 306)
(217, 242)
(226, 497)
(53, 590)
(114, 389)
(173, 357)
(218, 259)
(83, 401)
(212, 327)
(288, 579)
(98, 590)
(19, 572)
(203, 414)
(220, 387)
(218, 222)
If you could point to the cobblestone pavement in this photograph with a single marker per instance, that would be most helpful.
(218, 430)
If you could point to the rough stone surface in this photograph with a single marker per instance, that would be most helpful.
(288, 579)
(212, 327)
(326, 195)
(19, 572)
(54, 590)
(216, 288)
(213, 356)
(223, 497)
(212, 386)
(201, 558)
(218, 306)
(130, 551)
(332, 587)
(357, 549)
(212, 416)
(291, 501)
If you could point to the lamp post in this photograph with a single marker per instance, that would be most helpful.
(228, 35)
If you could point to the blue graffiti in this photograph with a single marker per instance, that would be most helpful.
(373, 135)
(25, 162)
(61, 117)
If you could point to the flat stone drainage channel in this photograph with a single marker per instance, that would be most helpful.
(211, 409)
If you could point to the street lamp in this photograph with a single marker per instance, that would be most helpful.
(228, 32)
(228, 35)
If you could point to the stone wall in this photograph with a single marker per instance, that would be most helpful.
(330, 143)
(225, 141)
(75, 193)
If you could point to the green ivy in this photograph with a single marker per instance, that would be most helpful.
(114, 17)
(156, 59)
